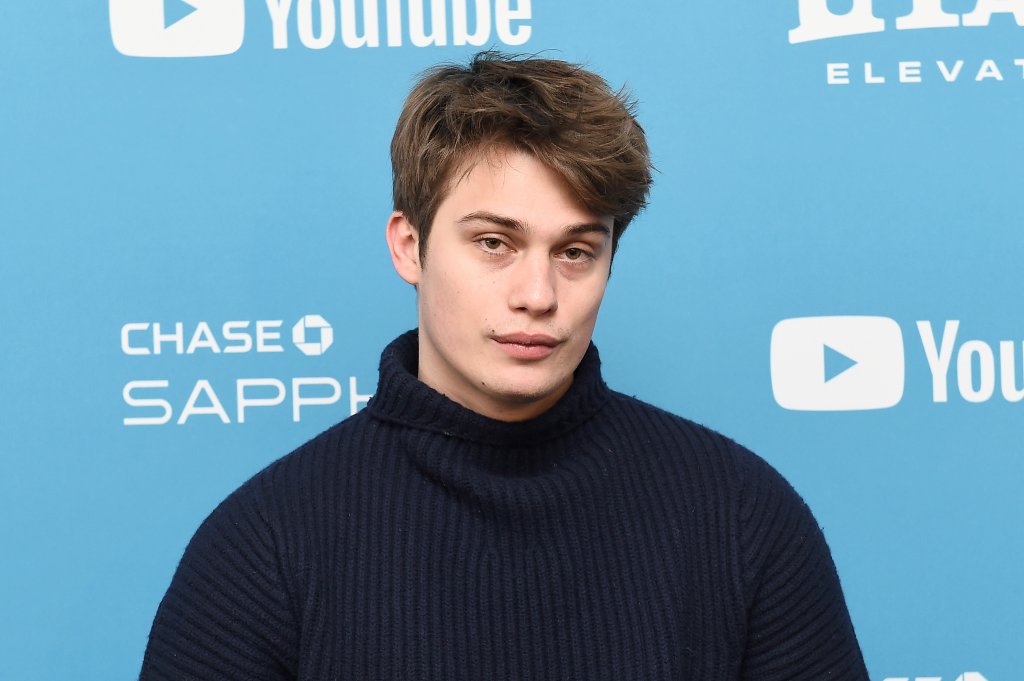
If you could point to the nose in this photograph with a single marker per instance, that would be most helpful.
(533, 286)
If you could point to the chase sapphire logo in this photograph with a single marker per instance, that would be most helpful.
(177, 28)
(302, 336)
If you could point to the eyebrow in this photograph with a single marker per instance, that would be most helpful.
(520, 226)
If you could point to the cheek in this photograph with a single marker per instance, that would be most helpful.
(589, 301)
(456, 308)
(441, 292)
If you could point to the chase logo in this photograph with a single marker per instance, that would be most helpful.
(177, 28)
(302, 338)
(837, 363)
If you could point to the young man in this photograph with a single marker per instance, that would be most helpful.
(496, 512)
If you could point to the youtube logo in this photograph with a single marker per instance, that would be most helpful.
(177, 28)
(837, 363)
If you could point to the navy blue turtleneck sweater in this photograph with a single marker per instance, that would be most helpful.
(605, 539)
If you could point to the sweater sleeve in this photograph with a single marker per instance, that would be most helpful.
(798, 626)
(225, 615)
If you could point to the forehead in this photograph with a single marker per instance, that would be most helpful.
(516, 184)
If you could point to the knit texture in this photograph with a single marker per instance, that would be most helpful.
(604, 539)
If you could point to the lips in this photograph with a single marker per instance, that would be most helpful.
(526, 346)
(527, 339)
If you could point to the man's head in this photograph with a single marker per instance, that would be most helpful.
(523, 173)
(559, 113)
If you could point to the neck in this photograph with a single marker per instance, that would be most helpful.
(402, 397)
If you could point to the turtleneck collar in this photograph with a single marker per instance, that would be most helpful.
(403, 399)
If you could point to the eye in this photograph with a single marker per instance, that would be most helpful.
(493, 246)
(577, 255)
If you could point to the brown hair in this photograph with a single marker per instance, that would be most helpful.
(563, 115)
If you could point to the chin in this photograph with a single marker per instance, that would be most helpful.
(527, 392)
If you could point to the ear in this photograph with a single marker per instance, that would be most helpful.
(404, 244)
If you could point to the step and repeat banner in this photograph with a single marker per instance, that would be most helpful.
(193, 196)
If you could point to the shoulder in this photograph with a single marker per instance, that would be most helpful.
(696, 455)
(686, 439)
(286, 485)
(335, 447)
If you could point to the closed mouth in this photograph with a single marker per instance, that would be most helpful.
(527, 339)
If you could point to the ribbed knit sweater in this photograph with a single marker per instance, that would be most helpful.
(416, 540)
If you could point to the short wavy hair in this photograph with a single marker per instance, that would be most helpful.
(560, 113)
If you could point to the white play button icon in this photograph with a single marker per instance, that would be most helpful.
(177, 28)
(837, 363)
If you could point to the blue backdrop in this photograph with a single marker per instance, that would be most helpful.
(194, 280)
